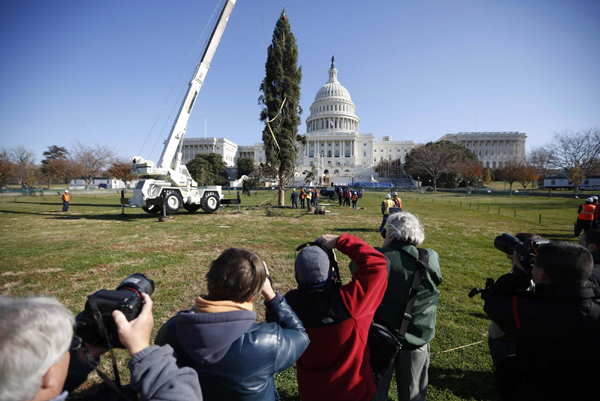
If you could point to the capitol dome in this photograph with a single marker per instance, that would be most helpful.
(333, 107)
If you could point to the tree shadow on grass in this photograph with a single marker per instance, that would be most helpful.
(59, 204)
(464, 384)
(355, 229)
(63, 216)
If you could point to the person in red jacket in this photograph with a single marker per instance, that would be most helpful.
(335, 366)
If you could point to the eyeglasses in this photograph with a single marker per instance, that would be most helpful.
(75, 343)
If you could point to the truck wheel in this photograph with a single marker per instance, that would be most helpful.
(191, 208)
(152, 209)
(210, 203)
(174, 201)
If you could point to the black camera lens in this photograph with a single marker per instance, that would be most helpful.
(508, 244)
(138, 283)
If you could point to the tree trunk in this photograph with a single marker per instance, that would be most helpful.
(281, 179)
(434, 184)
(510, 189)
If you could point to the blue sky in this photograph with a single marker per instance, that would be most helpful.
(102, 71)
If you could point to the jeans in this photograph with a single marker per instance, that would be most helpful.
(65, 206)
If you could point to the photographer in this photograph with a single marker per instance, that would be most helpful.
(556, 326)
(337, 318)
(235, 357)
(38, 354)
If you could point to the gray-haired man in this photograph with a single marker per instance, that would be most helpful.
(404, 233)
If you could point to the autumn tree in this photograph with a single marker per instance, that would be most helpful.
(121, 170)
(90, 160)
(280, 100)
(6, 167)
(576, 153)
(529, 176)
(470, 169)
(512, 171)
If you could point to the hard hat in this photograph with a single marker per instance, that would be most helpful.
(589, 200)
(594, 197)
(66, 191)
(395, 193)
(388, 196)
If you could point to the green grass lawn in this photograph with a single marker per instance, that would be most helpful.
(71, 255)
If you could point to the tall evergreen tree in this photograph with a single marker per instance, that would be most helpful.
(280, 97)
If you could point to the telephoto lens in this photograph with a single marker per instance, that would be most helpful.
(100, 305)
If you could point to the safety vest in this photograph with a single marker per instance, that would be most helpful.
(308, 195)
(398, 202)
(388, 204)
(302, 195)
(354, 197)
(66, 197)
(587, 212)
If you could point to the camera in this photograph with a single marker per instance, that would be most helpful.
(489, 282)
(95, 325)
(526, 251)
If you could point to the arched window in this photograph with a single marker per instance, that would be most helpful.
(326, 172)
(336, 172)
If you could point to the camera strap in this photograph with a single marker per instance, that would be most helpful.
(422, 267)
(116, 385)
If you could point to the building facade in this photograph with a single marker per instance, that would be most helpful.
(493, 149)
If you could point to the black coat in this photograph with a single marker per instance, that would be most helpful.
(557, 331)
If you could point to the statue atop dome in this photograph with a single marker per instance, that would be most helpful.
(332, 61)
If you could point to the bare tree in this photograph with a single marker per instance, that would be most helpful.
(24, 162)
(577, 153)
(434, 158)
(541, 160)
(91, 160)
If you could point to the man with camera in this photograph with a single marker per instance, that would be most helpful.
(234, 357)
(39, 354)
(556, 326)
(404, 233)
(337, 318)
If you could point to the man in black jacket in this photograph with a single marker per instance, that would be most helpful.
(556, 326)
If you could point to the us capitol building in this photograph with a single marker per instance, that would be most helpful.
(336, 148)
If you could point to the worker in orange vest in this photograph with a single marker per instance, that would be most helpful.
(397, 201)
(585, 217)
(354, 200)
(66, 198)
(597, 213)
(385, 210)
(302, 197)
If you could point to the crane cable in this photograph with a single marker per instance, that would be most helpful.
(176, 83)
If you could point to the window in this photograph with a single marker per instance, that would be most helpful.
(365, 153)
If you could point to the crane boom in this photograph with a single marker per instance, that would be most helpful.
(169, 185)
(167, 158)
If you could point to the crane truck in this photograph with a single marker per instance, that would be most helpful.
(169, 182)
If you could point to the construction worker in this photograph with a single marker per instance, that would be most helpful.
(340, 194)
(66, 198)
(302, 197)
(354, 200)
(385, 210)
(347, 197)
(308, 200)
(585, 217)
(397, 201)
(596, 212)
(315, 197)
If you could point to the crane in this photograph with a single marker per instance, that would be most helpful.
(169, 180)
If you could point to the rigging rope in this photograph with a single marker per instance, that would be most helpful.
(177, 82)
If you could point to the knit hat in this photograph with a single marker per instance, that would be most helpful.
(313, 269)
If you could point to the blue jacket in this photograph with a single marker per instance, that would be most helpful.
(236, 358)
